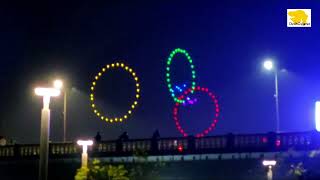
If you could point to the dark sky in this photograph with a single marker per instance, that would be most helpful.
(227, 41)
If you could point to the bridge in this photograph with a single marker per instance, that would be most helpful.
(225, 144)
(187, 158)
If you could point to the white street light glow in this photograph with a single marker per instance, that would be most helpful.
(47, 91)
(58, 84)
(85, 144)
(268, 64)
(269, 162)
(84, 155)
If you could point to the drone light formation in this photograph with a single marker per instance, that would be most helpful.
(168, 73)
(216, 108)
(132, 106)
(188, 99)
(181, 94)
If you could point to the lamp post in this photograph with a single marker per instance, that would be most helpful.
(59, 85)
(84, 156)
(269, 164)
(46, 93)
(268, 65)
(317, 116)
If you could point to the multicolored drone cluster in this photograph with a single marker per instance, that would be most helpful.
(184, 97)
(181, 94)
(188, 99)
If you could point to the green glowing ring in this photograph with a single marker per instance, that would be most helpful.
(108, 67)
(168, 79)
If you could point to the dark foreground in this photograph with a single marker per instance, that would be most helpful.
(245, 169)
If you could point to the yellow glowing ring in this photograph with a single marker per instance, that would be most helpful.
(105, 69)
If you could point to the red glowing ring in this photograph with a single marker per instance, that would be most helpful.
(216, 108)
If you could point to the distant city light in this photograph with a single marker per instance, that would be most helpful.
(317, 118)
(268, 64)
(269, 162)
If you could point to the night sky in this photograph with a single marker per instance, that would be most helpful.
(227, 40)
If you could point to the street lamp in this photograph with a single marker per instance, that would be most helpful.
(84, 156)
(269, 65)
(269, 164)
(46, 93)
(59, 85)
(317, 114)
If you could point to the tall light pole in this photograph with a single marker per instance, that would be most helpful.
(268, 65)
(59, 85)
(317, 116)
(46, 93)
(84, 155)
(269, 164)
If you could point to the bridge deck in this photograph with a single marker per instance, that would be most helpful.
(214, 145)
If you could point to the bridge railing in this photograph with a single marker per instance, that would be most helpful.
(218, 142)
(133, 145)
(106, 147)
(7, 151)
(213, 144)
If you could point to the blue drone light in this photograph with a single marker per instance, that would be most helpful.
(189, 100)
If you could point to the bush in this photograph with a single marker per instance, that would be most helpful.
(97, 171)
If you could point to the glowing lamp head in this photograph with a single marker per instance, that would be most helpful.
(269, 162)
(317, 114)
(85, 144)
(57, 84)
(47, 92)
(268, 65)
